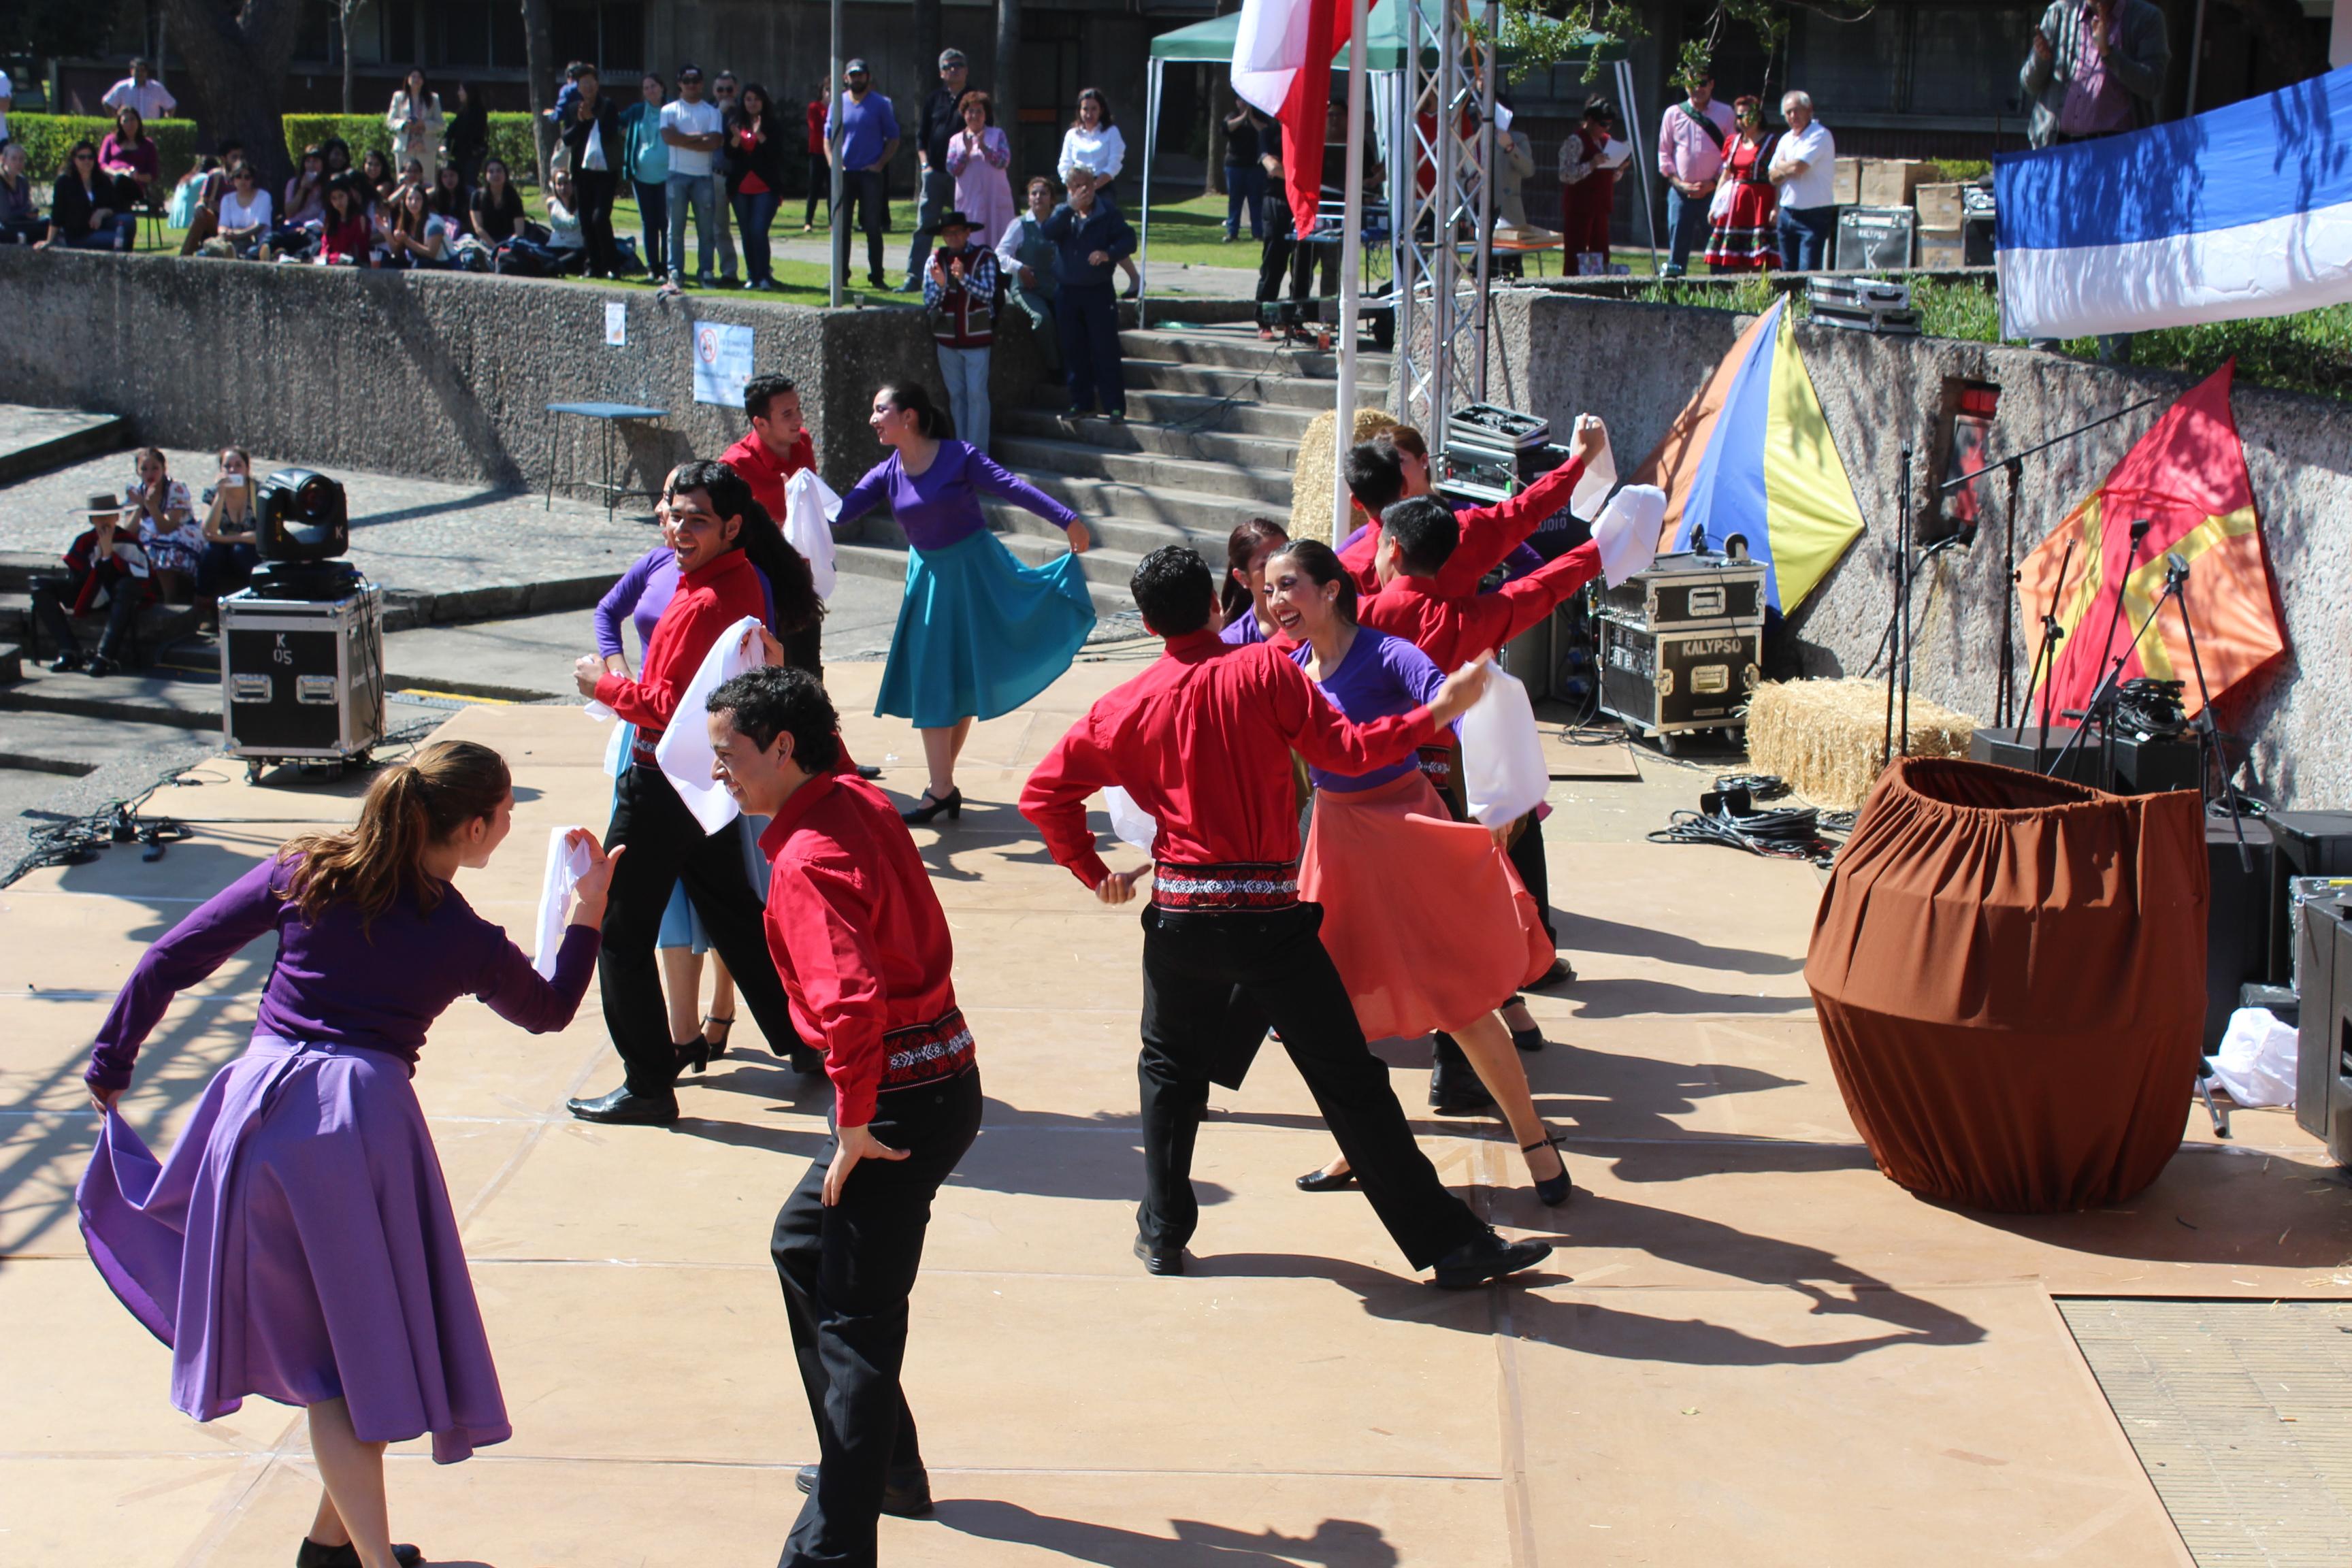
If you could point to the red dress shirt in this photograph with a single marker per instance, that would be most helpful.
(709, 600)
(1203, 741)
(1451, 630)
(860, 942)
(760, 468)
(1488, 533)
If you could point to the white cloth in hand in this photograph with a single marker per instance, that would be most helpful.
(566, 863)
(810, 507)
(1503, 774)
(1627, 531)
(684, 750)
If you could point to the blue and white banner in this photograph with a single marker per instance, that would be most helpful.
(2245, 211)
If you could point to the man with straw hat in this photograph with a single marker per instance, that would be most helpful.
(100, 565)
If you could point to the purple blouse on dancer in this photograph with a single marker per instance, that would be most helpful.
(1244, 631)
(1382, 676)
(645, 591)
(940, 505)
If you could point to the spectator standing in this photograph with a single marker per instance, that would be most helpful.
(1514, 163)
(1093, 141)
(864, 140)
(246, 213)
(416, 121)
(20, 216)
(941, 119)
(166, 518)
(1745, 234)
(346, 238)
(755, 177)
(645, 162)
(774, 448)
(959, 295)
(978, 156)
(1245, 181)
(1030, 264)
(103, 562)
(86, 212)
(1588, 190)
(2096, 67)
(1091, 238)
(593, 135)
(1691, 142)
(129, 153)
(466, 139)
(692, 129)
(1285, 251)
(723, 88)
(142, 91)
(1804, 168)
(497, 210)
(820, 169)
(230, 552)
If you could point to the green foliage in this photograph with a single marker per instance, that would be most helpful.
(1963, 171)
(47, 138)
(1752, 295)
(510, 139)
(1536, 40)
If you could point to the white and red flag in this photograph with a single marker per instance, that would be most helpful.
(1282, 63)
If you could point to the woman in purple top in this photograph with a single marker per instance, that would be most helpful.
(1426, 921)
(297, 1242)
(979, 634)
(1242, 598)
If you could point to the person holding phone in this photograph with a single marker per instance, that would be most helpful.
(231, 548)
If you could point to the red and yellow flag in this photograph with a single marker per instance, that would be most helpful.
(2188, 477)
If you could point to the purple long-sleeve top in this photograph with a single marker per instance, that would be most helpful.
(940, 505)
(643, 592)
(1381, 677)
(337, 983)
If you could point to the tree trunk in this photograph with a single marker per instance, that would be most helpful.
(1213, 171)
(1008, 76)
(343, 10)
(538, 65)
(925, 32)
(234, 55)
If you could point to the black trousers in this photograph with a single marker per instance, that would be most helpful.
(1285, 254)
(847, 1271)
(864, 204)
(1212, 983)
(53, 596)
(1086, 318)
(1526, 856)
(667, 846)
(596, 189)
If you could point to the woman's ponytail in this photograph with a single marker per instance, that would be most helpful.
(412, 806)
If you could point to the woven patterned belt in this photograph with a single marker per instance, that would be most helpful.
(1237, 885)
(641, 749)
(921, 1053)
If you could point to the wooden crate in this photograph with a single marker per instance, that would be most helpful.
(1889, 182)
(1941, 248)
(1939, 207)
(1846, 178)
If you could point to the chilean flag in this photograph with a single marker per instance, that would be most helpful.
(1282, 63)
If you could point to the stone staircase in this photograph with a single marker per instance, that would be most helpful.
(1213, 421)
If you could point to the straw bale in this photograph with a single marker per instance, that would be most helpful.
(1310, 481)
(1825, 736)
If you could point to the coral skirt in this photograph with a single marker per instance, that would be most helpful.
(1427, 923)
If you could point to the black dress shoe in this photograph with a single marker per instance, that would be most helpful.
(66, 663)
(1490, 1256)
(1323, 1181)
(626, 1107)
(1559, 974)
(310, 1554)
(1162, 1260)
(869, 769)
(906, 1494)
(1454, 1089)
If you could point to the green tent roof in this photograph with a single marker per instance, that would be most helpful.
(1212, 42)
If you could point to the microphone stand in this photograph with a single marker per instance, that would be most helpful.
(2090, 709)
(2103, 694)
(2046, 661)
(2175, 585)
(2005, 684)
(1907, 580)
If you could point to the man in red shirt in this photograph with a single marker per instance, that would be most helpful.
(858, 937)
(776, 446)
(1202, 739)
(718, 586)
(1378, 478)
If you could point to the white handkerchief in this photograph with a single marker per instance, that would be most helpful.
(566, 864)
(684, 750)
(1593, 487)
(1130, 821)
(1503, 774)
(1628, 531)
(810, 507)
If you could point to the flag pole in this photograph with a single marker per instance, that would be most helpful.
(1352, 265)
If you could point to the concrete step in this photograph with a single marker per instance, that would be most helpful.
(35, 440)
(12, 663)
(1243, 348)
(136, 697)
(1152, 438)
(1196, 512)
(1137, 536)
(159, 624)
(1035, 456)
(1227, 412)
(1272, 387)
(867, 558)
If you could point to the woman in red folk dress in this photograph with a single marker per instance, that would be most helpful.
(1744, 238)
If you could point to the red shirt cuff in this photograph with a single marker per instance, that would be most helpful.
(609, 685)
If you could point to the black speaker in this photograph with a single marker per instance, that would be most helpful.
(2310, 844)
(2237, 920)
(2142, 767)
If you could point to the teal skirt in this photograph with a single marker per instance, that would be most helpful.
(980, 634)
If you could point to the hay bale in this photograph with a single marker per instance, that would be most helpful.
(1310, 481)
(1825, 736)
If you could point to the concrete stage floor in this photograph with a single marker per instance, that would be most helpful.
(1749, 1348)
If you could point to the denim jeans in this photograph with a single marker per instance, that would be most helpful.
(753, 215)
(696, 191)
(1686, 227)
(653, 217)
(1805, 234)
(117, 236)
(966, 372)
(224, 568)
(937, 196)
(1245, 186)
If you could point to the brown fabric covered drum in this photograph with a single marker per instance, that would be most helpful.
(2011, 976)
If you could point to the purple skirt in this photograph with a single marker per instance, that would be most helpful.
(299, 1243)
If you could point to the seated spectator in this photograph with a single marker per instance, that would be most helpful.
(245, 214)
(419, 236)
(346, 239)
(413, 173)
(337, 155)
(129, 154)
(210, 177)
(448, 198)
(87, 211)
(375, 173)
(306, 192)
(230, 552)
(20, 216)
(563, 234)
(497, 206)
(168, 530)
(102, 567)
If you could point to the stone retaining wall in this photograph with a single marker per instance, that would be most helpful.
(1637, 364)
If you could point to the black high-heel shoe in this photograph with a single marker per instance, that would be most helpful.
(951, 802)
(714, 1049)
(692, 1054)
(1557, 1189)
(1319, 1181)
(1529, 1040)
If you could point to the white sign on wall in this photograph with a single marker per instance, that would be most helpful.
(722, 364)
(617, 324)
